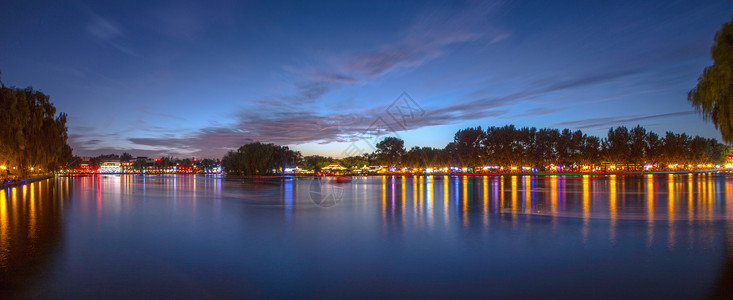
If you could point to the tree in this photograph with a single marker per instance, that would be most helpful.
(390, 150)
(653, 149)
(713, 95)
(32, 136)
(208, 165)
(425, 157)
(140, 164)
(353, 162)
(259, 158)
(545, 147)
(501, 145)
(315, 162)
(616, 145)
(591, 152)
(469, 147)
(638, 145)
(125, 157)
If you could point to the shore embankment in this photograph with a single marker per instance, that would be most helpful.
(21, 181)
(542, 174)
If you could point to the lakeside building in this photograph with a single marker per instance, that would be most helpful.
(110, 166)
(335, 169)
(139, 165)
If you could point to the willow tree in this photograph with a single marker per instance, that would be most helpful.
(32, 136)
(713, 95)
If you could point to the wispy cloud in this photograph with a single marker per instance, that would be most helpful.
(539, 111)
(617, 120)
(146, 110)
(429, 36)
(298, 125)
(290, 128)
(108, 32)
(291, 117)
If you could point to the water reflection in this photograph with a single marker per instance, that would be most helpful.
(653, 199)
(612, 198)
(165, 233)
(30, 233)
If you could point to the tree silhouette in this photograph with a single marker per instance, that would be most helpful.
(713, 95)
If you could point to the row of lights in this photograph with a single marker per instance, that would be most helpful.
(5, 168)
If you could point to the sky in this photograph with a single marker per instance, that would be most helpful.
(196, 79)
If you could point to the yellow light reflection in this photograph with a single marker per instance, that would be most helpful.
(670, 210)
(486, 200)
(4, 224)
(612, 207)
(501, 200)
(446, 195)
(586, 207)
(14, 205)
(33, 214)
(553, 195)
(690, 204)
(422, 191)
(514, 195)
(711, 198)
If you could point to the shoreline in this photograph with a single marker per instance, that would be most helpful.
(21, 181)
(281, 176)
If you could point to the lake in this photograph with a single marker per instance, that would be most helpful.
(189, 236)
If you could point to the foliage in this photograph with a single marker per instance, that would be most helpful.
(467, 146)
(509, 146)
(208, 165)
(139, 164)
(125, 157)
(259, 159)
(32, 135)
(713, 95)
(315, 162)
(354, 162)
(390, 151)
(425, 157)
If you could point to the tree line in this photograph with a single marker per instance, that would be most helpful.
(33, 138)
(509, 146)
(505, 147)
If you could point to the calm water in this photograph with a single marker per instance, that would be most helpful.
(511, 237)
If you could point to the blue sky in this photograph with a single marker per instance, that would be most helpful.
(198, 78)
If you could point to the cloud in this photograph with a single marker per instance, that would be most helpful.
(109, 32)
(307, 92)
(298, 127)
(103, 28)
(588, 79)
(617, 120)
(429, 35)
(295, 124)
(539, 111)
(547, 86)
(333, 78)
(146, 110)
